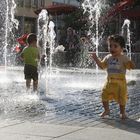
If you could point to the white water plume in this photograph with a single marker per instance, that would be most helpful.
(9, 26)
(126, 34)
(43, 20)
(46, 40)
(51, 35)
(94, 9)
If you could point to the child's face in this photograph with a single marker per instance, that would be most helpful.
(114, 48)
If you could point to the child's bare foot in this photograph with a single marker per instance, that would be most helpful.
(123, 116)
(104, 114)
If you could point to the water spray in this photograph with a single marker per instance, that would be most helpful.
(126, 34)
(43, 20)
(51, 41)
(8, 25)
(94, 9)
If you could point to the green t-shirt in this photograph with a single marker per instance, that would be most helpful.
(30, 56)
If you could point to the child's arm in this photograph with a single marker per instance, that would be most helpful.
(38, 56)
(39, 53)
(97, 60)
(21, 56)
(130, 65)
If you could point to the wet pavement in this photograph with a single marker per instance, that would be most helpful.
(72, 98)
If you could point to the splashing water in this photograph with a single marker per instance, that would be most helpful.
(126, 34)
(7, 30)
(73, 95)
(6, 35)
(43, 20)
(14, 22)
(46, 34)
(46, 37)
(3, 31)
(51, 35)
(94, 9)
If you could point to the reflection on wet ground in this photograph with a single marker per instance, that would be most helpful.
(72, 97)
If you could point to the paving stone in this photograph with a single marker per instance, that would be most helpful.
(100, 134)
(38, 129)
(74, 107)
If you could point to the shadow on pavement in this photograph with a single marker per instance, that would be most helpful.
(129, 125)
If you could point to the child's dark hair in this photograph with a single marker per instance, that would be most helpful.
(118, 39)
(31, 38)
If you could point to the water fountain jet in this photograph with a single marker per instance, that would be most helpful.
(126, 34)
(8, 27)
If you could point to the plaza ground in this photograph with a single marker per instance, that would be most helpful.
(70, 110)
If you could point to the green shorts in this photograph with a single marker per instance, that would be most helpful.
(30, 72)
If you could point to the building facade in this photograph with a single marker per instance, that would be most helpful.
(70, 2)
(26, 16)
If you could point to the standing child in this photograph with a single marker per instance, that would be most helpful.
(116, 64)
(31, 58)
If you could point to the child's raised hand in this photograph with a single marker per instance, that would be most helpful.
(93, 55)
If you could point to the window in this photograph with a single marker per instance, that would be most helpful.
(73, 2)
(27, 3)
(59, 1)
(42, 3)
(20, 3)
(56, 3)
(35, 3)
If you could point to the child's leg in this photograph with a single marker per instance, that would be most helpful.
(106, 108)
(35, 85)
(122, 112)
(28, 83)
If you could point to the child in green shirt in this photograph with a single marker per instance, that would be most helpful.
(31, 58)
